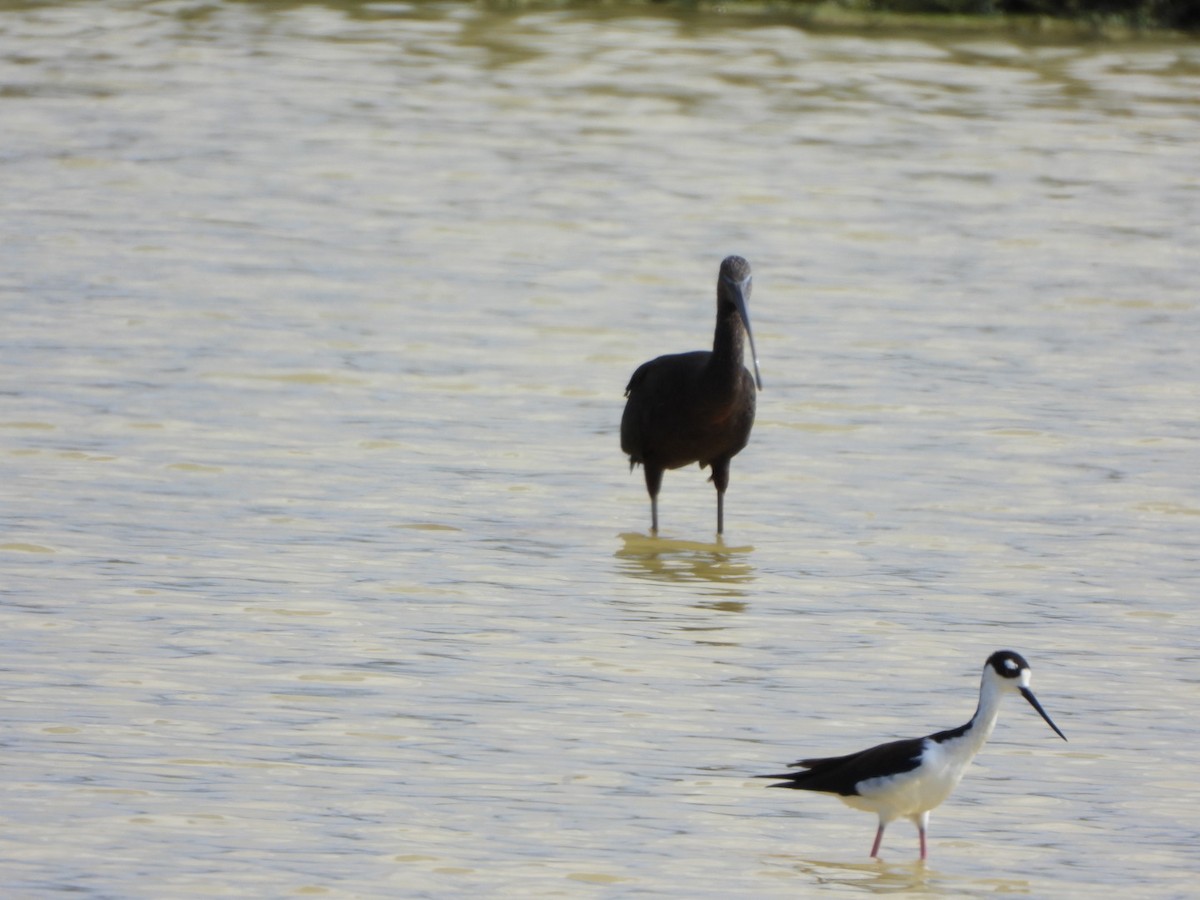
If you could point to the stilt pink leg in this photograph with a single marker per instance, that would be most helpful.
(878, 841)
(923, 823)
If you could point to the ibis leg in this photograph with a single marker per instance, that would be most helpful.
(654, 476)
(720, 479)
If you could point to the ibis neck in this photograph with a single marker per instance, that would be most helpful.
(728, 341)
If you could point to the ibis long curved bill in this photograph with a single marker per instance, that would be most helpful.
(740, 290)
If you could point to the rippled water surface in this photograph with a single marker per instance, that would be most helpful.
(322, 570)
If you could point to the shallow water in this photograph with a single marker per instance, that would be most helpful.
(323, 572)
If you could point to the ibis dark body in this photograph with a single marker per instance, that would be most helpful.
(696, 407)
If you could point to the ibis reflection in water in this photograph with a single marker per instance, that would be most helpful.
(696, 407)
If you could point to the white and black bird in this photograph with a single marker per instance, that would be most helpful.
(908, 778)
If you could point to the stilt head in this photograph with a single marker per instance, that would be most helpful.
(733, 286)
(1010, 672)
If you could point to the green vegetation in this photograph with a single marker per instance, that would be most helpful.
(1096, 17)
(1176, 14)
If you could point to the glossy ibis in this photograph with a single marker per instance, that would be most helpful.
(696, 407)
(907, 779)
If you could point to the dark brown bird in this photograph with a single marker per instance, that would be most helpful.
(698, 406)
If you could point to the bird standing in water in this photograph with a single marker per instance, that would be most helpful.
(907, 779)
(696, 407)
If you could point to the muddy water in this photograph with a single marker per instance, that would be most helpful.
(322, 571)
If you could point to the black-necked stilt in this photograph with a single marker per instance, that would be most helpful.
(699, 406)
(911, 777)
